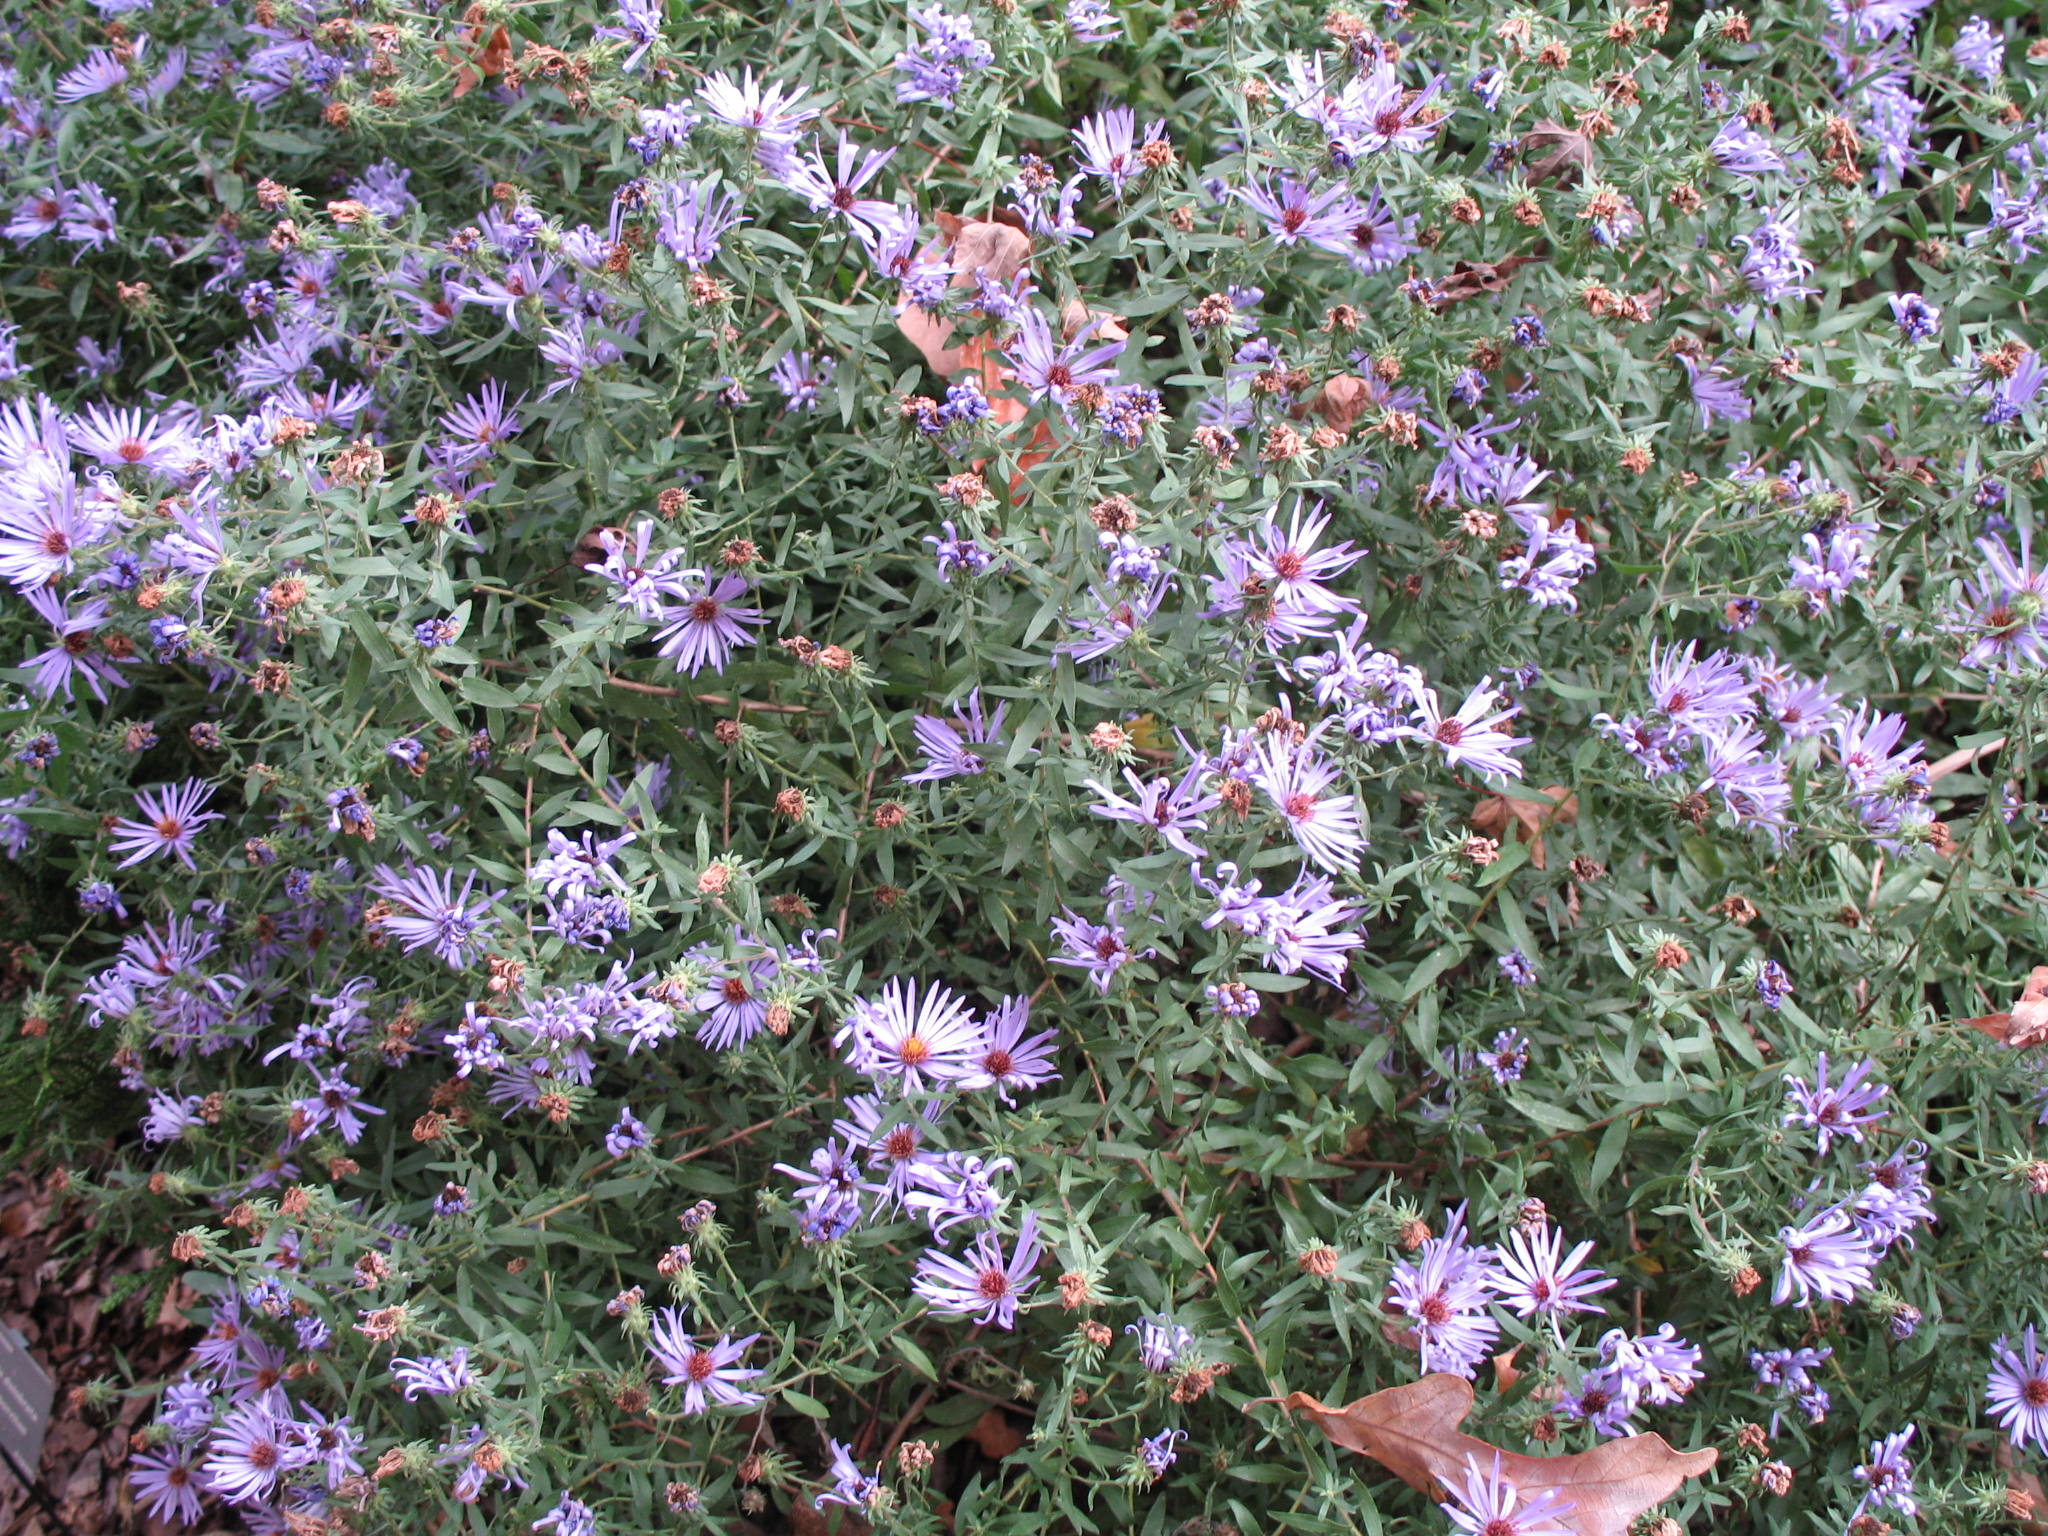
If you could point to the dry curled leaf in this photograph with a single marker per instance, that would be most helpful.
(1494, 814)
(997, 250)
(1553, 152)
(490, 59)
(1413, 1432)
(2027, 1024)
(1469, 279)
(1342, 401)
(1075, 317)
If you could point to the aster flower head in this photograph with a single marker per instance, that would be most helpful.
(2016, 1391)
(1441, 1295)
(985, 1285)
(1007, 1059)
(706, 623)
(166, 1482)
(1825, 1257)
(1487, 1503)
(709, 1374)
(170, 817)
(911, 1041)
(850, 1486)
(432, 913)
(1297, 779)
(1161, 1343)
(948, 744)
(1294, 213)
(1839, 1110)
(1109, 146)
(1473, 735)
(1535, 1277)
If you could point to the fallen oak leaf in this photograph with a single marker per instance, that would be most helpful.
(2027, 1023)
(1075, 318)
(1552, 150)
(1413, 1432)
(1342, 400)
(1469, 279)
(1530, 818)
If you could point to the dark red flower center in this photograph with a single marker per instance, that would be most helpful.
(1451, 731)
(704, 610)
(993, 1284)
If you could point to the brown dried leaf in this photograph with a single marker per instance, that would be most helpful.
(1494, 814)
(995, 1434)
(1469, 279)
(1076, 315)
(995, 248)
(2027, 1024)
(1413, 1432)
(1552, 151)
(1342, 401)
(1505, 1374)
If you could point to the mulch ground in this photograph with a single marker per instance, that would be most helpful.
(63, 1289)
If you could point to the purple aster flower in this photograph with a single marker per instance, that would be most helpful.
(1535, 1277)
(434, 1376)
(1092, 21)
(1045, 368)
(1516, 967)
(1161, 1343)
(1827, 571)
(1508, 1059)
(706, 625)
(1158, 1452)
(169, 1118)
(1295, 213)
(1442, 1294)
(1693, 691)
(1120, 617)
(708, 1374)
(570, 1517)
(1473, 734)
(1841, 1110)
(985, 1286)
(800, 378)
(830, 1189)
(245, 1455)
(1108, 146)
(1488, 1504)
(2016, 1391)
(894, 1143)
(431, 912)
(953, 1187)
(1101, 949)
(1292, 571)
(763, 108)
(77, 654)
(1887, 1477)
(1172, 810)
(1297, 779)
(837, 191)
(1917, 319)
(1006, 1060)
(957, 556)
(1772, 263)
(1875, 20)
(1773, 985)
(850, 1486)
(171, 814)
(626, 1136)
(691, 218)
(946, 743)
(898, 1036)
(938, 66)
(1715, 392)
(1978, 50)
(1742, 151)
(734, 1004)
(166, 1484)
(1827, 1257)
(2009, 609)
(334, 1102)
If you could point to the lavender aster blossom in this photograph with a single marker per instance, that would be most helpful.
(708, 1374)
(166, 1484)
(1157, 1453)
(1488, 1504)
(800, 379)
(898, 1036)
(1978, 50)
(691, 218)
(1161, 1343)
(2016, 1391)
(1109, 148)
(1837, 1111)
(432, 913)
(947, 744)
(985, 1286)
(171, 815)
(1172, 810)
(1772, 262)
(1441, 1294)
(1101, 949)
(1827, 1257)
(1888, 1475)
(1715, 392)
(570, 1517)
(1297, 778)
(850, 1486)
(434, 1376)
(1473, 734)
(1295, 212)
(245, 1455)
(627, 1134)
(1535, 1277)
(706, 625)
